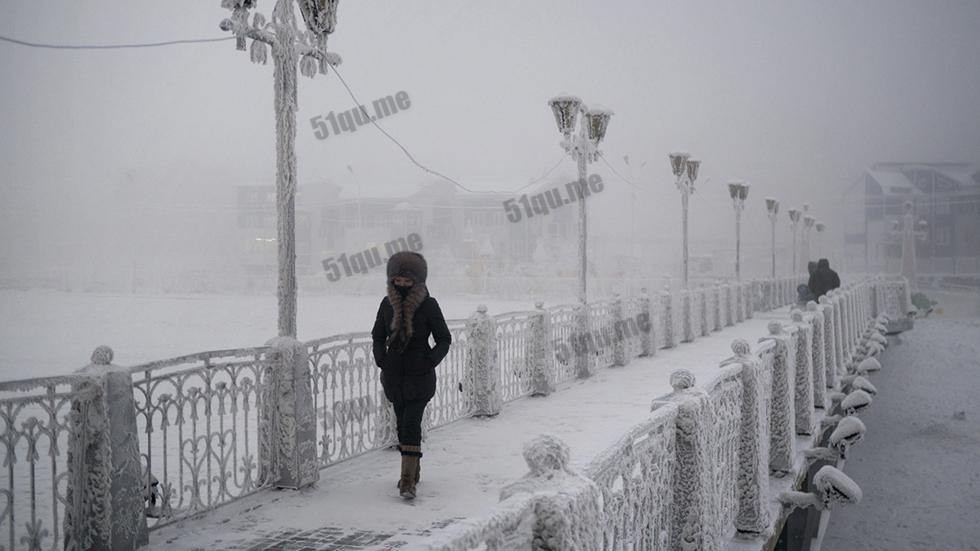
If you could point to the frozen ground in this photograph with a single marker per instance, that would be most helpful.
(45, 332)
(918, 463)
(356, 506)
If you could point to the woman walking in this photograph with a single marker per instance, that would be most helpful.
(406, 318)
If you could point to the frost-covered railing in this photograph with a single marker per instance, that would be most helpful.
(34, 430)
(512, 343)
(347, 398)
(201, 440)
(635, 477)
(698, 469)
(187, 434)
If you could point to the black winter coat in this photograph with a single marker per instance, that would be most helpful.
(823, 280)
(411, 374)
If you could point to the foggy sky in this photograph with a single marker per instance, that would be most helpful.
(795, 97)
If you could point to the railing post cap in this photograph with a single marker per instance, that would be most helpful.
(546, 453)
(482, 308)
(796, 314)
(811, 306)
(775, 327)
(741, 348)
(682, 379)
(539, 304)
(102, 355)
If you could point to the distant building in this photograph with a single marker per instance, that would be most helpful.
(452, 224)
(945, 195)
(463, 232)
(257, 249)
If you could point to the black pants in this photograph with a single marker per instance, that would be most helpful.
(409, 421)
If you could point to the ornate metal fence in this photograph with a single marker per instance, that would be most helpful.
(512, 347)
(201, 434)
(562, 328)
(449, 403)
(347, 397)
(601, 333)
(35, 432)
(725, 400)
(635, 477)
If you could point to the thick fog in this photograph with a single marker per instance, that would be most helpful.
(130, 159)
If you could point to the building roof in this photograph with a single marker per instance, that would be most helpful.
(892, 182)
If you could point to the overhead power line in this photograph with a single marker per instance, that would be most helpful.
(112, 46)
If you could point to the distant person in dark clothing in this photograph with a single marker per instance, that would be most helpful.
(805, 292)
(823, 279)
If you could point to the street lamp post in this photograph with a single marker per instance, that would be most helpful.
(290, 47)
(820, 227)
(739, 192)
(583, 147)
(794, 222)
(906, 230)
(772, 208)
(685, 169)
(808, 222)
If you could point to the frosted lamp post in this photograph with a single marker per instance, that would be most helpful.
(907, 232)
(583, 148)
(739, 192)
(820, 227)
(290, 46)
(685, 169)
(794, 221)
(772, 209)
(808, 222)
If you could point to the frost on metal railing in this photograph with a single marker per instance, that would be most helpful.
(752, 516)
(511, 340)
(509, 526)
(347, 398)
(677, 315)
(725, 404)
(635, 477)
(35, 434)
(198, 420)
(600, 333)
(802, 334)
(782, 414)
(449, 403)
(562, 328)
(818, 353)
(831, 339)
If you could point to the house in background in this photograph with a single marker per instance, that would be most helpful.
(945, 195)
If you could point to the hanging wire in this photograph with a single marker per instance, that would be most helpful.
(111, 46)
(350, 92)
(616, 172)
(402, 147)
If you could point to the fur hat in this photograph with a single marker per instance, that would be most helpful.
(408, 264)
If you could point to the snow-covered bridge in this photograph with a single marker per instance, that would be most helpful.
(707, 468)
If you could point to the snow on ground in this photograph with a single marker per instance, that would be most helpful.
(465, 463)
(44, 332)
(917, 464)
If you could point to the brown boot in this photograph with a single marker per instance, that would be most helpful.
(410, 470)
(418, 470)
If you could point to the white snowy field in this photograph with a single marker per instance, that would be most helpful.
(917, 464)
(44, 332)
